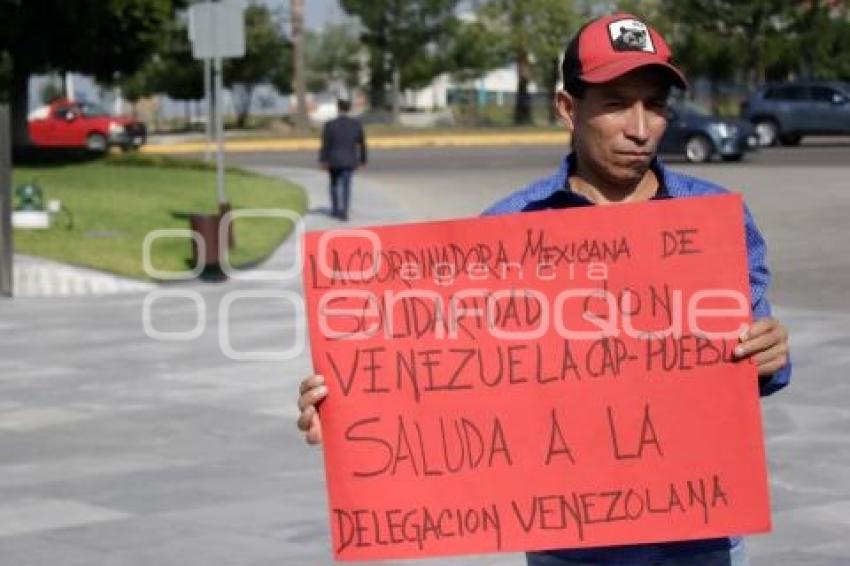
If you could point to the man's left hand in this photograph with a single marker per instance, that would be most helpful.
(766, 341)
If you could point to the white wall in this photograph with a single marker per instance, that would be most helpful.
(502, 80)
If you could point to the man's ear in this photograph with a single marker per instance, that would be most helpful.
(565, 109)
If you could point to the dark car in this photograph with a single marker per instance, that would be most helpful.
(698, 135)
(785, 113)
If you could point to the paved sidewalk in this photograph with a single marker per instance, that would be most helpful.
(119, 449)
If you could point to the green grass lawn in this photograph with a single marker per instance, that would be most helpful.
(115, 204)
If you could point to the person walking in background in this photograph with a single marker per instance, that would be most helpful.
(343, 150)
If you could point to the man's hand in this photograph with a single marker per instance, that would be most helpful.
(312, 391)
(767, 342)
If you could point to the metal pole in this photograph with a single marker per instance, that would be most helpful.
(6, 244)
(208, 96)
(219, 128)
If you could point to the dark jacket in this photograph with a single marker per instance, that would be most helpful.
(343, 143)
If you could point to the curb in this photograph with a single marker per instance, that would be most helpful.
(386, 142)
(41, 277)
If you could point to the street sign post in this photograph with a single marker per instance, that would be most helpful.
(6, 256)
(217, 31)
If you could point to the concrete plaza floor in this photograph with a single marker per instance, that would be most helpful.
(117, 448)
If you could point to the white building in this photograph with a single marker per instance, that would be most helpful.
(496, 87)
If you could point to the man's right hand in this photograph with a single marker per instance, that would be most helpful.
(312, 391)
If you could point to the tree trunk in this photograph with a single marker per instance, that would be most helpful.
(299, 77)
(20, 106)
(244, 109)
(522, 106)
(67, 85)
(377, 79)
(396, 94)
(378, 66)
(474, 105)
(758, 37)
(714, 89)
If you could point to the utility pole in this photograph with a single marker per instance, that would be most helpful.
(219, 131)
(208, 98)
(217, 31)
(297, 8)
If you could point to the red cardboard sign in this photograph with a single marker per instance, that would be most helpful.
(555, 379)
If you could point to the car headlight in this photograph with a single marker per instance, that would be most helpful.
(725, 130)
(116, 128)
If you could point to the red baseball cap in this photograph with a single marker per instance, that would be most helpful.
(611, 46)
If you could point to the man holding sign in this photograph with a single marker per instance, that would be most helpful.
(617, 75)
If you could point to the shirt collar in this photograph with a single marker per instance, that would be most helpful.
(562, 195)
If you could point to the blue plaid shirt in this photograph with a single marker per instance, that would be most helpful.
(554, 192)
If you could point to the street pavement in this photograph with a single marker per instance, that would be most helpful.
(117, 448)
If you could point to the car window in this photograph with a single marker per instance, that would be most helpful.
(771, 94)
(823, 94)
(90, 110)
(792, 93)
(61, 112)
(826, 94)
(785, 93)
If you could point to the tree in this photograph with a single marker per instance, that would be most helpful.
(97, 37)
(696, 49)
(173, 70)
(136, 86)
(822, 42)
(333, 59)
(265, 47)
(554, 22)
(753, 30)
(5, 76)
(51, 90)
(403, 38)
(471, 51)
(757, 40)
(534, 32)
(282, 75)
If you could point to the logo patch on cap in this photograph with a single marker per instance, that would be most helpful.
(630, 35)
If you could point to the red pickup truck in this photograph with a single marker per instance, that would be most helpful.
(65, 123)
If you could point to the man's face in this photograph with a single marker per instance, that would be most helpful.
(616, 126)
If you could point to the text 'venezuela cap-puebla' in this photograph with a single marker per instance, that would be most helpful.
(611, 46)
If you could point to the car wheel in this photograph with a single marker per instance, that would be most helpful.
(790, 139)
(96, 142)
(767, 131)
(698, 149)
